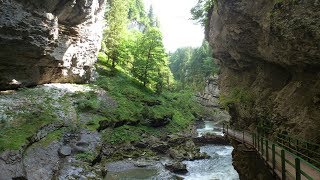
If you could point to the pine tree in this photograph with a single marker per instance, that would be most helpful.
(116, 26)
(151, 16)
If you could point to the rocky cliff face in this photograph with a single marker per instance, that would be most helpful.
(48, 41)
(269, 52)
(209, 98)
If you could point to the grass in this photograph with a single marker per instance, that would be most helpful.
(131, 97)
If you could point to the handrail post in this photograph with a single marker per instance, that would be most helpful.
(273, 157)
(258, 142)
(308, 152)
(252, 139)
(242, 137)
(223, 128)
(298, 170)
(267, 150)
(283, 164)
(297, 147)
(262, 152)
(227, 129)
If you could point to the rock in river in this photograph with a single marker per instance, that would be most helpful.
(177, 167)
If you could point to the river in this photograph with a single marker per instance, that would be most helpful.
(219, 166)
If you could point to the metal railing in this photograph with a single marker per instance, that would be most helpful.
(291, 162)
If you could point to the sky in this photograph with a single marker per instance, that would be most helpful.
(175, 24)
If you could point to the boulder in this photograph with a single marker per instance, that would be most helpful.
(161, 147)
(175, 154)
(65, 151)
(176, 167)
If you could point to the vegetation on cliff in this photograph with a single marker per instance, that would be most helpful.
(202, 11)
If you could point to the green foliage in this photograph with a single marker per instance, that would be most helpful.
(237, 95)
(137, 12)
(191, 66)
(201, 11)
(131, 96)
(150, 65)
(116, 25)
(141, 53)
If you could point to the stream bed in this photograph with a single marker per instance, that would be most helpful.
(219, 166)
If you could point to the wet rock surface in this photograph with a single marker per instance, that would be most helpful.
(177, 167)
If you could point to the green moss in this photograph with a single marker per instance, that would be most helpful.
(237, 95)
(33, 114)
(86, 156)
(93, 124)
(15, 135)
(89, 102)
(53, 136)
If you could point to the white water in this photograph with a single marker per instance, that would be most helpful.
(219, 166)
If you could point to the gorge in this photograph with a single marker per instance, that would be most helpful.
(136, 111)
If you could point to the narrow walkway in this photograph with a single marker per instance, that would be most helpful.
(284, 164)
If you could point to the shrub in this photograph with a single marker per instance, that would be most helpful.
(237, 96)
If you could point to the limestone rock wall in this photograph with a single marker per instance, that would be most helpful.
(270, 50)
(210, 94)
(44, 41)
(209, 98)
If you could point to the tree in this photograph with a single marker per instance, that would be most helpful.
(201, 11)
(150, 57)
(191, 66)
(152, 18)
(116, 25)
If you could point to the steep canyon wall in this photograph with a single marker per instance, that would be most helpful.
(44, 41)
(269, 52)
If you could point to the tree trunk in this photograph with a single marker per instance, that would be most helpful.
(145, 73)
